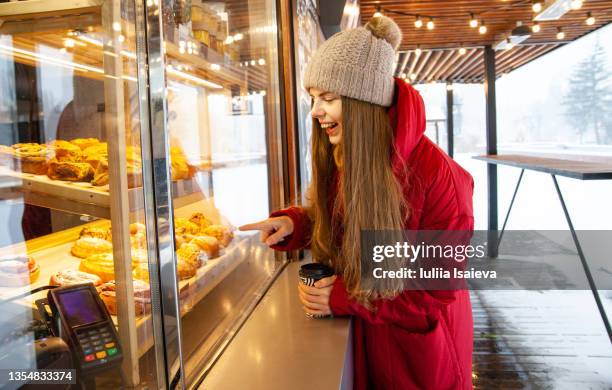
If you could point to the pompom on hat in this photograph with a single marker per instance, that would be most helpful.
(357, 63)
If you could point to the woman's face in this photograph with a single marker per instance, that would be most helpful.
(327, 109)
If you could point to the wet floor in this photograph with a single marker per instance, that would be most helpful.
(540, 340)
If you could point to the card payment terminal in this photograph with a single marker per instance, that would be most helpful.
(81, 319)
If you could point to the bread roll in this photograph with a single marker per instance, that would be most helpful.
(87, 246)
(208, 244)
(99, 264)
(221, 233)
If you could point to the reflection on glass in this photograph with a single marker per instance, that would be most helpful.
(221, 69)
(71, 172)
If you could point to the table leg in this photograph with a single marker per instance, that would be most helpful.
(518, 183)
(587, 271)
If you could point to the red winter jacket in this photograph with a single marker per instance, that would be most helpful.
(419, 339)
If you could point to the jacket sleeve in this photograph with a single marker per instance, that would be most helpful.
(447, 208)
(302, 229)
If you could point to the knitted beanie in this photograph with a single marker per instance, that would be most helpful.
(357, 63)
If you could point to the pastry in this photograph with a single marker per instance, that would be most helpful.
(18, 270)
(98, 232)
(179, 165)
(84, 143)
(220, 232)
(70, 171)
(142, 296)
(137, 227)
(87, 246)
(190, 253)
(139, 256)
(200, 220)
(208, 244)
(141, 271)
(71, 276)
(138, 240)
(180, 239)
(100, 264)
(31, 158)
(100, 177)
(185, 269)
(99, 149)
(65, 151)
(95, 154)
(184, 226)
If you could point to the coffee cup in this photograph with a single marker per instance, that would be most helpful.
(310, 273)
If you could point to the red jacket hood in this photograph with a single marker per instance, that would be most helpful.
(407, 117)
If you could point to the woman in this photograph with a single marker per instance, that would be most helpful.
(374, 169)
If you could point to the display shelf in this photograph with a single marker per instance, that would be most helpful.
(81, 198)
(52, 253)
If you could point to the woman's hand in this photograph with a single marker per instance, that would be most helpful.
(316, 299)
(273, 230)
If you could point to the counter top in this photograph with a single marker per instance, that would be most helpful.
(280, 348)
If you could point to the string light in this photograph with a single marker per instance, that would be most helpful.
(418, 51)
(576, 4)
(430, 24)
(482, 29)
(560, 33)
(473, 21)
(413, 76)
(590, 19)
(536, 27)
(418, 23)
(536, 6)
(378, 12)
(462, 51)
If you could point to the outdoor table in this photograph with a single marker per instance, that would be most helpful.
(576, 167)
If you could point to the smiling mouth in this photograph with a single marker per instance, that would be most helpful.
(329, 127)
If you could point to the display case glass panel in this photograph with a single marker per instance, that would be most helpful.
(223, 127)
(71, 195)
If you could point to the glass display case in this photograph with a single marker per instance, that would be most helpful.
(134, 138)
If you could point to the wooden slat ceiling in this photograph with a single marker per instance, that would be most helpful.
(440, 59)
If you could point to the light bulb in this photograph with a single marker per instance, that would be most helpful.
(418, 51)
(473, 21)
(430, 24)
(590, 19)
(560, 34)
(536, 6)
(576, 4)
(462, 51)
(418, 23)
(482, 29)
(535, 28)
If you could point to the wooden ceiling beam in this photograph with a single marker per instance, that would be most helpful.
(425, 56)
(432, 64)
(449, 55)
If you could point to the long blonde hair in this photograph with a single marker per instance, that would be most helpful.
(369, 197)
